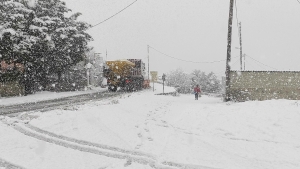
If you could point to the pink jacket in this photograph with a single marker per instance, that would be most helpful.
(197, 90)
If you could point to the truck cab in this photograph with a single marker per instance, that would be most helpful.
(127, 74)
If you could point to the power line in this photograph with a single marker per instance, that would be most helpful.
(298, 1)
(183, 59)
(233, 64)
(249, 64)
(261, 63)
(115, 14)
(261, 66)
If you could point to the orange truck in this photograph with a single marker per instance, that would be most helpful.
(125, 74)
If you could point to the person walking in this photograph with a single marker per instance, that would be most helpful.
(197, 91)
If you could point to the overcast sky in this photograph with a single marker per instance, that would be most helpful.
(195, 30)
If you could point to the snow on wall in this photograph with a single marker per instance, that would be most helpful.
(264, 85)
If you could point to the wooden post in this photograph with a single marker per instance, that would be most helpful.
(241, 51)
(227, 92)
(153, 85)
(148, 62)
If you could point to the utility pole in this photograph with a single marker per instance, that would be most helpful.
(241, 52)
(148, 62)
(244, 61)
(227, 92)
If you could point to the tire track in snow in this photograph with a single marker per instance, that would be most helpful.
(82, 142)
(136, 153)
(104, 150)
(88, 149)
(7, 165)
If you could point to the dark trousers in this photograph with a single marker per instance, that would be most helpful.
(196, 96)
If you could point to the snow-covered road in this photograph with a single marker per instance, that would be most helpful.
(58, 103)
(143, 130)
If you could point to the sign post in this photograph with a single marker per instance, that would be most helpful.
(163, 78)
(153, 77)
(88, 66)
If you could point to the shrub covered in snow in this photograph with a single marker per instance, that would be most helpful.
(185, 82)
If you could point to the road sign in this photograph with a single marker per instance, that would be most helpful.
(163, 77)
(153, 76)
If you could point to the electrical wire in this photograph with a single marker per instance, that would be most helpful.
(183, 59)
(249, 64)
(261, 63)
(221, 73)
(298, 1)
(114, 14)
(231, 65)
(263, 68)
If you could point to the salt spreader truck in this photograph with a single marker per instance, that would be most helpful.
(127, 74)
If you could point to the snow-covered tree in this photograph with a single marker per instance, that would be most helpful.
(15, 39)
(214, 84)
(66, 38)
(209, 83)
(39, 35)
(180, 80)
(185, 83)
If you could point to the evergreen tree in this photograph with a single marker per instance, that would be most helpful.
(66, 39)
(15, 39)
(41, 37)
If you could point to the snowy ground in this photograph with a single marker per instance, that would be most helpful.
(144, 130)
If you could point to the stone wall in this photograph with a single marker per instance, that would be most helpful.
(264, 85)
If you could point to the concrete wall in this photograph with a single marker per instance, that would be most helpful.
(12, 88)
(264, 85)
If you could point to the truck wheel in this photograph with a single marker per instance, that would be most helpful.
(137, 85)
(128, 88)
(112, 88)
(141, 84)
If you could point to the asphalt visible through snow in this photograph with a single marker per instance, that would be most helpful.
(47, 105)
